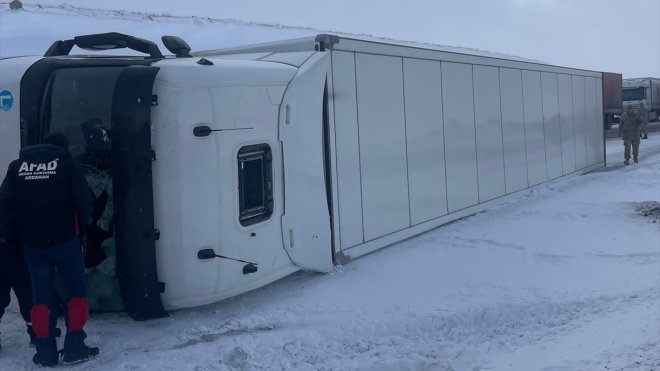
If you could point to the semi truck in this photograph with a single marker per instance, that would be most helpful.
(222, 171)
(643, 90)
(612, 98)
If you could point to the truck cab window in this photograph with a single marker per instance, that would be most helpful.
(255, 184)
(79, 104)
(633, 94)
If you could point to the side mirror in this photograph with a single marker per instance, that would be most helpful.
(177, 46)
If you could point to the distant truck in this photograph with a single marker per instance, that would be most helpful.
(643, 90)
(612, 98)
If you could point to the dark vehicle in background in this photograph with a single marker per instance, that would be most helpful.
(612, 98)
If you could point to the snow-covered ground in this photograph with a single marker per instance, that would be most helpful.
(565, 278)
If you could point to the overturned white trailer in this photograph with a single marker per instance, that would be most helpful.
(293, 155)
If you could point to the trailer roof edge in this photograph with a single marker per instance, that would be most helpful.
(341, 42)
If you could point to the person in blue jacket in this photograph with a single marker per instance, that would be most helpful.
(48, 196)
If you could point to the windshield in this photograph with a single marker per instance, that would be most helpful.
(79, 105)
(80, 100)
(633, 94)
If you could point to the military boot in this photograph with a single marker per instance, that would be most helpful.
(635, 159)
(75, 350)
(626, 162)
(46, 352)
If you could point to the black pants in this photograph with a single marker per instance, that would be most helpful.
(14, 275)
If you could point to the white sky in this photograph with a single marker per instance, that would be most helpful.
(606, 35)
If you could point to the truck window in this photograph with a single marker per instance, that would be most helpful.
(79, 104)
(255, 184)
(633, 94)
(78, 100)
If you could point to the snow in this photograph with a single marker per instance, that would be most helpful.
(526, 28)
(227, 32)
(565, 278)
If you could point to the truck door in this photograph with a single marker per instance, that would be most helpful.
(83, 98)
(135, 234)
(306, 220)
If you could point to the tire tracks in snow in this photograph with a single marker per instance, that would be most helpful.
(305, 336)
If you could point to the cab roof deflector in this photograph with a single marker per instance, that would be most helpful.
(104, 41)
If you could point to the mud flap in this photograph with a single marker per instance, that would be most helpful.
(135, 233)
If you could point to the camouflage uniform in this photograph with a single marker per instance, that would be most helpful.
(629, 129)
(644, 115)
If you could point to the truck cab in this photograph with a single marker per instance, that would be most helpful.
(643, 90)
(207, 173)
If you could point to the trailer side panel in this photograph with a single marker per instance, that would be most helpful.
(566, 122)
(533, 107)
(592, 121)
(460, 141)
(349, 187)
(425, 139)
(383, 164)
(488, 122)
(552, 130)
(579, 122)
(513, 130)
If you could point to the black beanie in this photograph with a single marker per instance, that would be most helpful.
(57, 139)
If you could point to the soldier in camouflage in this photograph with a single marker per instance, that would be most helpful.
(644, 115)
(629, 129)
